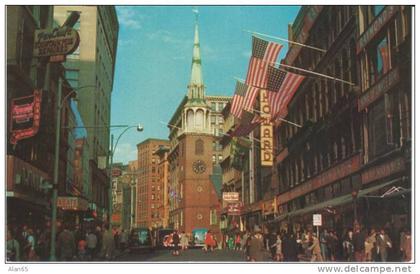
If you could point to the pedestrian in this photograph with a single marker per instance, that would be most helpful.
(43, 244)
(278, 247)
(315, 248)
(231, 242)
(98, 233)
(238, 242)
(323, 239)
(13, 248)
(175, 242)
(247, 246)
(383, 243)
(256, 246)
(82, 250)
(370, 245)
(405, 245)
(31, 246)
(184, 240)
(358, 244)
(348, 249)
(123, 239)
(77, 234)
(66, 244)
(108, 243)
(116, 234)
(290, 248)
(91, 241)
(208, 241)
(332, 245)
(272, 240)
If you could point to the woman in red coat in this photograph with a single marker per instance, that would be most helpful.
(208, 241)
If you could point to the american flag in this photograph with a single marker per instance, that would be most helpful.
(249, 122)
(281, 86)
(244, 98)
(264, 53)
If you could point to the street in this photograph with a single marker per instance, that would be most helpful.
(190, 255)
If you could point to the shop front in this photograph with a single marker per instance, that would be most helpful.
(27, 194)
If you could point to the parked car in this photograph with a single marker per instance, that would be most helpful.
(141, 239)
(163, 238)
(198, 237)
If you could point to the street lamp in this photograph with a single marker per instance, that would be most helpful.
(59, 106)
(111, 154)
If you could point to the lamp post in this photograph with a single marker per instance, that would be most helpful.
(59, 106)
(111, 156)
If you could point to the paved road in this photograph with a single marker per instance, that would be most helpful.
(190, 255)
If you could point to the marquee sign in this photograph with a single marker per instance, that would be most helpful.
(55, 42)
(25, 116)
(72, 203)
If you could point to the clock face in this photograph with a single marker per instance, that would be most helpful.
(199, 166)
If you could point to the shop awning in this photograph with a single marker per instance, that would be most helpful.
(342, 200)
(365, 192)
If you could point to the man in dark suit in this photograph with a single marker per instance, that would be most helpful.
(383, 242)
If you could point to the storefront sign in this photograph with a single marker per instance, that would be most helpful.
(317, 219)
(231, 196)
(116, 172)
(331, 175)
(266, 131)
(383, 170)
(24, 176)
(72, 203)
(269, 207)
(308, 21)
(53, 42)
(376, 26)
(375, 92)
(25, 116)
(234, 209)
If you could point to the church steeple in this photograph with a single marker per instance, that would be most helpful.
(196, 85)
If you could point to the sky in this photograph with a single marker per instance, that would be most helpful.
(154, 56)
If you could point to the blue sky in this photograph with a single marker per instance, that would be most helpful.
(154, 60)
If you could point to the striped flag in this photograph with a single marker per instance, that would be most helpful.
(249, 122)
(244, 98)
(281, 86)
(264, 53)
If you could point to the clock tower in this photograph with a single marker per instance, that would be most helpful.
(192, 195)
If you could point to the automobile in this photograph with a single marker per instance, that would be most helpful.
(163, 238)
(141, 239)
(198, 237)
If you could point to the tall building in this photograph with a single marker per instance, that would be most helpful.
(350, 161)
(90, 71)
(163, 182)
(30, 157)
(194, 190)
(150, 198)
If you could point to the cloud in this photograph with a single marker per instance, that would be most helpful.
(125, 152)
(129, 18)
(169, 38)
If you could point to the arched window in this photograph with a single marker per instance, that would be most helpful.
(199, 119)
(190, 118)
(199, 147)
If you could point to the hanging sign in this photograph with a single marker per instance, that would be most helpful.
(25, 116)
(55, 42)
(317, 219)
(266, 131)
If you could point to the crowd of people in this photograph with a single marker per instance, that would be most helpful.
(357, 244)
(354, 245)
(25, 243)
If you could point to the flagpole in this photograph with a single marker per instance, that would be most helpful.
(285, 40)
(249, 138)
(316, 73)
(287, 121)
